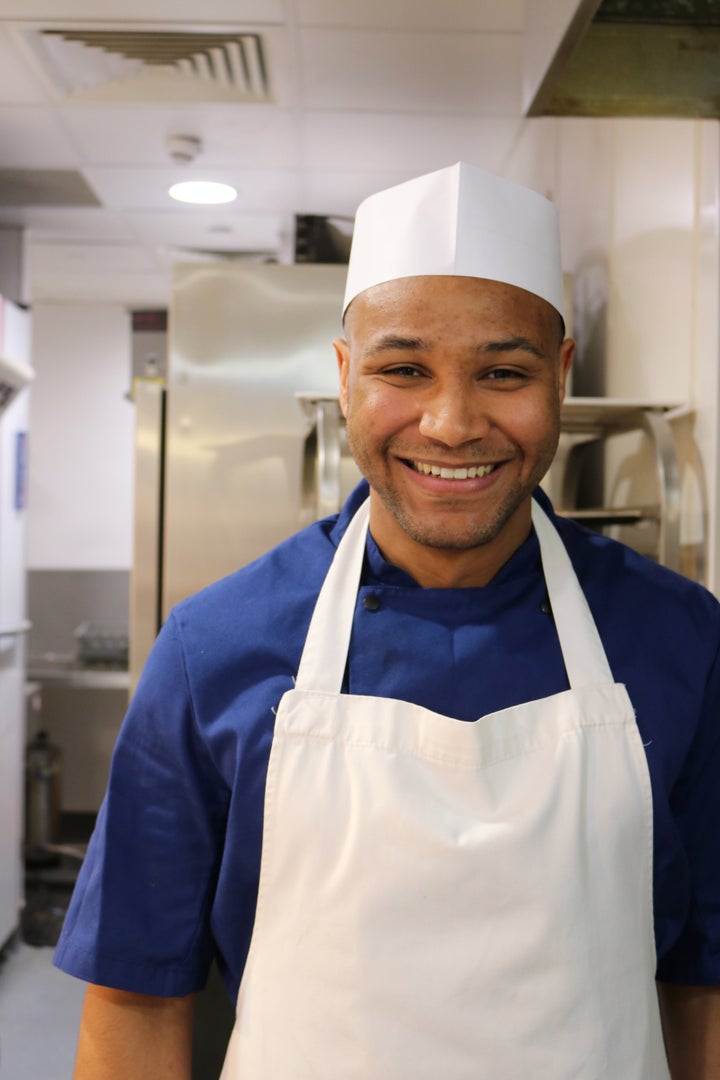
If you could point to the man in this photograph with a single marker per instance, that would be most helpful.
(437, 779)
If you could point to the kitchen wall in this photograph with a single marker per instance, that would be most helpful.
(81, 475)
(639, 201)
(80, 520)
(640, 218)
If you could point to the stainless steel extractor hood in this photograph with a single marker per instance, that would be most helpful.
(638, 58)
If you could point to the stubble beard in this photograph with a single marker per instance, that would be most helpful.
(453, 526)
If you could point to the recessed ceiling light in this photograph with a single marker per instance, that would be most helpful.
(202, 191)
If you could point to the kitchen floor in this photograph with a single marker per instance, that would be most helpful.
(39, 1015)
(40, 1006)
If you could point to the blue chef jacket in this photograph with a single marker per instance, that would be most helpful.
(172, 870)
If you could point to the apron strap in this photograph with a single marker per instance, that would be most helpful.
(328, 640)
(327, 644)
(585, 660)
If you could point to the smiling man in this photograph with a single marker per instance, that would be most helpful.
(436, 780)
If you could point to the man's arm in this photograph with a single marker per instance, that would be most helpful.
(691, 1026)
(127, 1036)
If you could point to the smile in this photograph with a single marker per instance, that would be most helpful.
(446, 473)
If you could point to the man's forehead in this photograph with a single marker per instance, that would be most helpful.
(423, 312)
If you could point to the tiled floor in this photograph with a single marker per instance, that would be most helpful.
(39, 1016)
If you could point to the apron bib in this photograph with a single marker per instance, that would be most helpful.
(442, 900)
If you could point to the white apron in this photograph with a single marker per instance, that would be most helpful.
(443, 900)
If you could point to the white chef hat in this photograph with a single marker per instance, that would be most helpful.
(460, 220)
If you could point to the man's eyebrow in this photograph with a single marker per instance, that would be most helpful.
(513, 344)
(391, 342)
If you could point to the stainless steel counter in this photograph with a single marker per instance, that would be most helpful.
(65, 671)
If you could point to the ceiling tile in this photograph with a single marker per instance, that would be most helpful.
(340, 193)
(488, 15)
(405, 142)
(211, 231)
(131, 189)
(31, 137)
(148, 11)
(19, 84)
(46, 223)
(410, 72)
(231, 135)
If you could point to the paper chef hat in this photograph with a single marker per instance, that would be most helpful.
(460, 220)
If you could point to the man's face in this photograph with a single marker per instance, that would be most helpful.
(452, 388)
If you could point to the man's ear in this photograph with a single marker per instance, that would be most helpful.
(565, 359)
(342, 351)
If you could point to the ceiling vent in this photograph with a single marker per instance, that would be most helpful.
(136, 66)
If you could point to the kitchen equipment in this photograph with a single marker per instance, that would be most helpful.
(42, 800)
(220, 448)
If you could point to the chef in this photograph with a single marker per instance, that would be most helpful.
(436, 780)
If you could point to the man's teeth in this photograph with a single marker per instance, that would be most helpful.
(453, 474)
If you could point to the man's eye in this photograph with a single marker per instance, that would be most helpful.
(504, 374)
(404, 370)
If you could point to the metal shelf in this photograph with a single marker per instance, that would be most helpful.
(589, 420)
(617, 515)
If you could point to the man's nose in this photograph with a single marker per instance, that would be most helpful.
(453, 417)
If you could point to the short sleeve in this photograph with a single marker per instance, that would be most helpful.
(139, 916)
(694, 958)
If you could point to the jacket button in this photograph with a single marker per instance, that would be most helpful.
(545, 607)
(371, 602)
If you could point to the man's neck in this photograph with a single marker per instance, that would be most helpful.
(443, 568)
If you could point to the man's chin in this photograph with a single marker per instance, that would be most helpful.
(453, 527)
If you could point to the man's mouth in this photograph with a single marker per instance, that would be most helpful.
(445, 472)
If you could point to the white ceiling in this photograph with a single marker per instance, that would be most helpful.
(365, 93)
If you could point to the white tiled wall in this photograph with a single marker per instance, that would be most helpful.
(80, 490)
(639, 212)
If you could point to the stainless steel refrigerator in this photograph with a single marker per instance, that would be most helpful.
(15, 375)
(225, 441)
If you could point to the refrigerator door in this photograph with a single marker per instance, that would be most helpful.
(149, 397)
(15, 344)
(243, 339)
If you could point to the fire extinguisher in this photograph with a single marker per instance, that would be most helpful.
(42, 800)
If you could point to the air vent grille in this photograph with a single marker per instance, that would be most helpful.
(108, 65)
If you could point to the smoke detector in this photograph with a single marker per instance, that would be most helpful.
(183, 149)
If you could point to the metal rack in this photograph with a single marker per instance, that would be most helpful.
(584, 422)
(588, 421)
